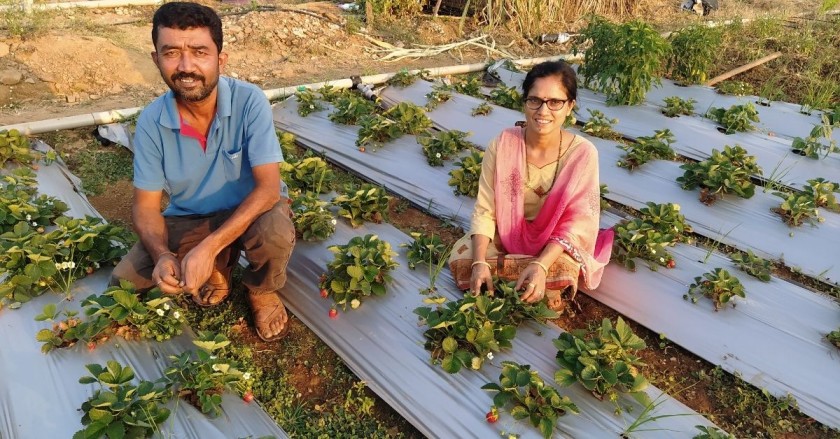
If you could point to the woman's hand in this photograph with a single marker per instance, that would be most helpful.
(481, 275)
(532, 284)
(167, 274)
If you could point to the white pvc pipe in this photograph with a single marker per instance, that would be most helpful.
(28, 6)
(113, 116)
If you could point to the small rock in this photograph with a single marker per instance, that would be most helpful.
(71, 99)
(10, 77)
(30, 80)
(94, 97)
(4, 49)
(46, 77)
(253, 78)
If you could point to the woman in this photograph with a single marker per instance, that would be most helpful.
(538, 207)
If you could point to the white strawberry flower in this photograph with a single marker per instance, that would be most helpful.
(355, 303)
(176, 314)
(166, 306)
(34, 224)
(437, 155)
(246, 376)
(216, 367)
(58, 266)
(159, 312)
(334, 222)
(28, 217)
(71, 264)
(489, 355)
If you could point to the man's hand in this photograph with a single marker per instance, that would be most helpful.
(197, 266)
(167, 274)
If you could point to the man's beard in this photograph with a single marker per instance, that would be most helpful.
(195, 94)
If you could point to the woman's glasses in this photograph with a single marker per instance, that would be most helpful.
(534, 103)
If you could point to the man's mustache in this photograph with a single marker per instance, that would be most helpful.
(183, 75)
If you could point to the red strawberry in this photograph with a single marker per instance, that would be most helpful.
(91, 346)
(671, 263)
(333, 313)
(248, 397)
(492, 416)
(361, 149)
(89, 270)
(324, 293)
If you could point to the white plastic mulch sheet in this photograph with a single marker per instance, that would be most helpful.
(40, 395)
(382, 343)
(737, 339)
(746, 224)
(781, 118)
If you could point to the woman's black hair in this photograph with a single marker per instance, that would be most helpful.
(186, 15)
(560, 69)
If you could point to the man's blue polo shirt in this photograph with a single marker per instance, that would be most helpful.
(241, 136)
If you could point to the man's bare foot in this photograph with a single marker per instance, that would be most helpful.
(215, 290)
(270, 317)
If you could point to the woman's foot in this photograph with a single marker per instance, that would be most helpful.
(555, 300)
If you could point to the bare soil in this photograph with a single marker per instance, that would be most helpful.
(98, 60)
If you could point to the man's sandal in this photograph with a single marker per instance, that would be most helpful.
(270, 305)
(216, 290)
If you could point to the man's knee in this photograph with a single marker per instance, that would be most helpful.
(273, 231)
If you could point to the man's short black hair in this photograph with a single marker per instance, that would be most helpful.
(559, 69)
(186, 15)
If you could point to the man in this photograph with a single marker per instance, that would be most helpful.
(210, 143)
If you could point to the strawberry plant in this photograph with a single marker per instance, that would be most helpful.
(602, 360)
(349, 108)
(19, 202)
(693, 50)
(202, 376)
(376, 129)
(823, 193)
(508, 97)
(410, 118)
(311, 174)
(530, 398)
(119, 408)
(443, 145)
(735, 88)
(599, 125)
(648, 148)
(308, 102)
(14, 147)
(469, 85)
(711, 433)
(35, 261)
(812, 146)
(624, 60)
(737, 118)
(718, 285)
(331, 94)
(439, 94)
(465, 332)
(361, 268)
(117, 311)
(724, 172)
(368, 203)
(647, 237)
(752, 264)
(834, 338)
(404, 78)
(424, 250)
(675, 107)
(313, 222)
(797, 208)
(464, 178)
(482, 109)
(287, 145)
(603, 190)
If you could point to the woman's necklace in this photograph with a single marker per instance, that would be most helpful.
(539, 191)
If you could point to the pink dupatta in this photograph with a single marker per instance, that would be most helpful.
(569, 216)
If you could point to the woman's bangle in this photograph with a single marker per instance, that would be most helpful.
(545, 269)
(481, 263)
